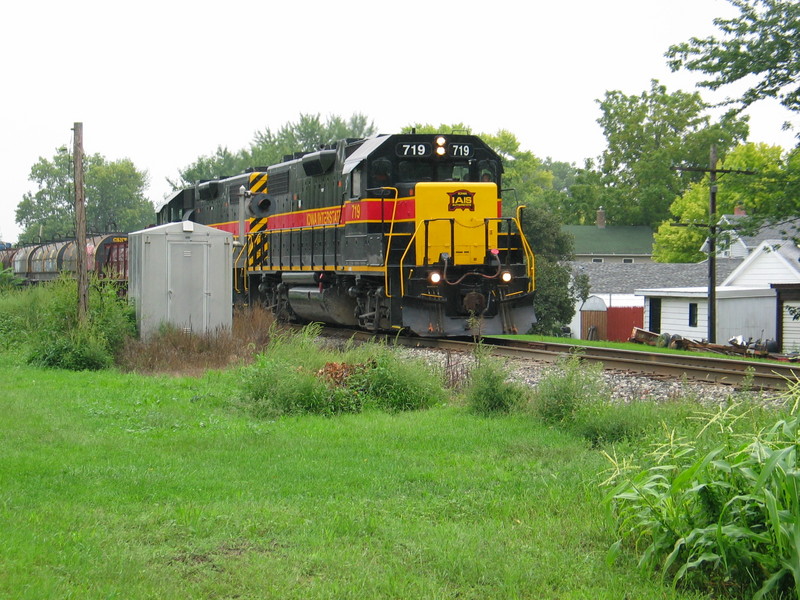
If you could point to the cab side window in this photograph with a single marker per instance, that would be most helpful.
(381, 173)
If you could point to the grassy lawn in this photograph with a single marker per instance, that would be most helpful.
(123, 486)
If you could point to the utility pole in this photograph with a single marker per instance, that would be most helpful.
(712, 247)
(712, 235)
(80, 226)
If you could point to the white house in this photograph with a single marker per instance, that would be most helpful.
(733, 243)
(773, 261)
(747, 300)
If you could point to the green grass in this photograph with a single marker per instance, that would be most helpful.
(122, 486)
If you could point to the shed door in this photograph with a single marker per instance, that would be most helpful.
(655, 315)
(186, 284)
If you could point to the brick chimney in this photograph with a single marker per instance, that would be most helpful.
(739, 210)
(601, 218)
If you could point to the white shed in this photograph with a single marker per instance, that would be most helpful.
(749, 312)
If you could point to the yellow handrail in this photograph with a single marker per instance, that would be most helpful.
(242, 250)
(389, 246)
(531, 258)
(402, 258)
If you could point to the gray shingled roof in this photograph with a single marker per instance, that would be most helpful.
(621, 278)
(782, 231)
(611, 240)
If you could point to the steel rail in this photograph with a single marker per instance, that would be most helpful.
(755, 373)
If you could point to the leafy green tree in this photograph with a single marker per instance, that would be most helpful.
(307, 134)
(115, 199)
(578, 206)
(647, 135)
(49, 212)
(757, 194)
(269, 148)
(222, 163)
(114, 191)
(564, 174)
(557, 290)
(760, 46)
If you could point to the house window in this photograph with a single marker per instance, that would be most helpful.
(597, 260)
(627, 261)
(693, 314)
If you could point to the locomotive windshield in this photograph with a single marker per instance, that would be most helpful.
(385, 172)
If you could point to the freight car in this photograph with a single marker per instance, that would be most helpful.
(107, 257)
(386, 233)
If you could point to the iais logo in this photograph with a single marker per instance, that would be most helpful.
(461, 199)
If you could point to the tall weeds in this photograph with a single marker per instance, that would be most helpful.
(720, 509)
(42, 322)
(173, 350)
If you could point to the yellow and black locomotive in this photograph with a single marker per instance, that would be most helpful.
(390, 232)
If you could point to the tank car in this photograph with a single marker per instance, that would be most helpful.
(107, 257)
(7, 256)
(394, 232)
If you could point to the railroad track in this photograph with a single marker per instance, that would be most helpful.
(758, 374)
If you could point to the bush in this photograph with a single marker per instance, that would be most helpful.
(607, 422)
(563, 391)
(389, 383)
(296, 375)
(490, 391)
(76, 350)
(174, 350)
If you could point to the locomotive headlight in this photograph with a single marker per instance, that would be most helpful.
(505, 277)
(441, 150)
(441, 141)
(434, 277)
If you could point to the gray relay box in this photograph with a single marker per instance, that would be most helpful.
(181, 275)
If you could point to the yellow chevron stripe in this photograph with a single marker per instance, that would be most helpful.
(258, 183)
(258, 224)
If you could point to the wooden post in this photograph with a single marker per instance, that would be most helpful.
(80, 226)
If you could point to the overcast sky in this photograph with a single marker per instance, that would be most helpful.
(163, 83)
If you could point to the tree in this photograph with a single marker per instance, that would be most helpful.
(307, 134)
(222, 163)
(585, 195)
(761, 43)
(114, 198)
(268, 148)
(647, 135)
(756, 195)
(557, 291)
